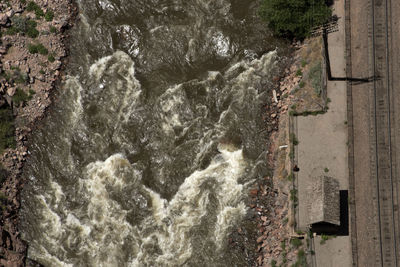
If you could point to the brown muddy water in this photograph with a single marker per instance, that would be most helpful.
(155, 136)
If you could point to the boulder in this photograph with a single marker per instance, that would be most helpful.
(3, 19)
(10, 13)
(11, 91)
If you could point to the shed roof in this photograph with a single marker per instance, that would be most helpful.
(324, 201)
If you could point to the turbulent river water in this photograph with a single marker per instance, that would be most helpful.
(155, 136)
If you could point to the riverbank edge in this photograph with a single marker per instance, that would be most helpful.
(272, 199)
(28, 116)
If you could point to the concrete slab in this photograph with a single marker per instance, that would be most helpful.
(335, 252)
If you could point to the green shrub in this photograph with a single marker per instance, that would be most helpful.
(51, 58)
(32, 49)
(23, 25)
(303, 63)
(3, 174)
(6, 129)
(273, 263)
(11, 31)
(295, 242)
(315, 77)
(325, 238)
(299, 72)
(42, 50)
(293, 139)
(53, 29)
(290, 177)
(39, 13)
(293, 196)
(301, 259)
(41, 71)
(39, 48)
(326, 170)
(20, 97)
(32, 6)
(49, 15)
(32, 32)
(3, 201)
(302, 84)
(294, 18)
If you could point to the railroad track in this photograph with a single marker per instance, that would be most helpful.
(383, 166)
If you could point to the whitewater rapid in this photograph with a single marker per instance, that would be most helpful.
(140, 164)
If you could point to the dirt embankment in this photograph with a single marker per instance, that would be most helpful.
(32, 54)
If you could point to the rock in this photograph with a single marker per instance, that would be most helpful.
(254, 192)
(3, 19)
(273, 115)
(10, 13)
(11, 91)
(57, 64)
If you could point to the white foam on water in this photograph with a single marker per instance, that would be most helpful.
(189, 206)
(221, 44)
(174, 104)
(75, 88)
(100, 229)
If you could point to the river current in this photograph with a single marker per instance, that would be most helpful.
(154, 137)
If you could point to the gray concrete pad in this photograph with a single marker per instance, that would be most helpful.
(335, 252)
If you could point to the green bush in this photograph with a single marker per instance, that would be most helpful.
(295, 242)
(6, 129)
(301, 259)
(53, 29)
(32, 49)
(290, 177)
(38, 48)
(23, 25)
(32, 6)
(39, 13)
(11, 31)
(294, 18)
(3, 174)
(42, 50)
(51, 58)
(49, 15)
(302, 84)
(20, 97)
(299, 72)
(32, 32)
(315, 77)
(293, 139)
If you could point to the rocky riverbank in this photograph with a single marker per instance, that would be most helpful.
(32, 52)
(272, 198)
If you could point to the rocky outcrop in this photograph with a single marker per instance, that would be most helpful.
(32, 49)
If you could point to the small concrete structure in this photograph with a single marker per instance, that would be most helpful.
(324, 201)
